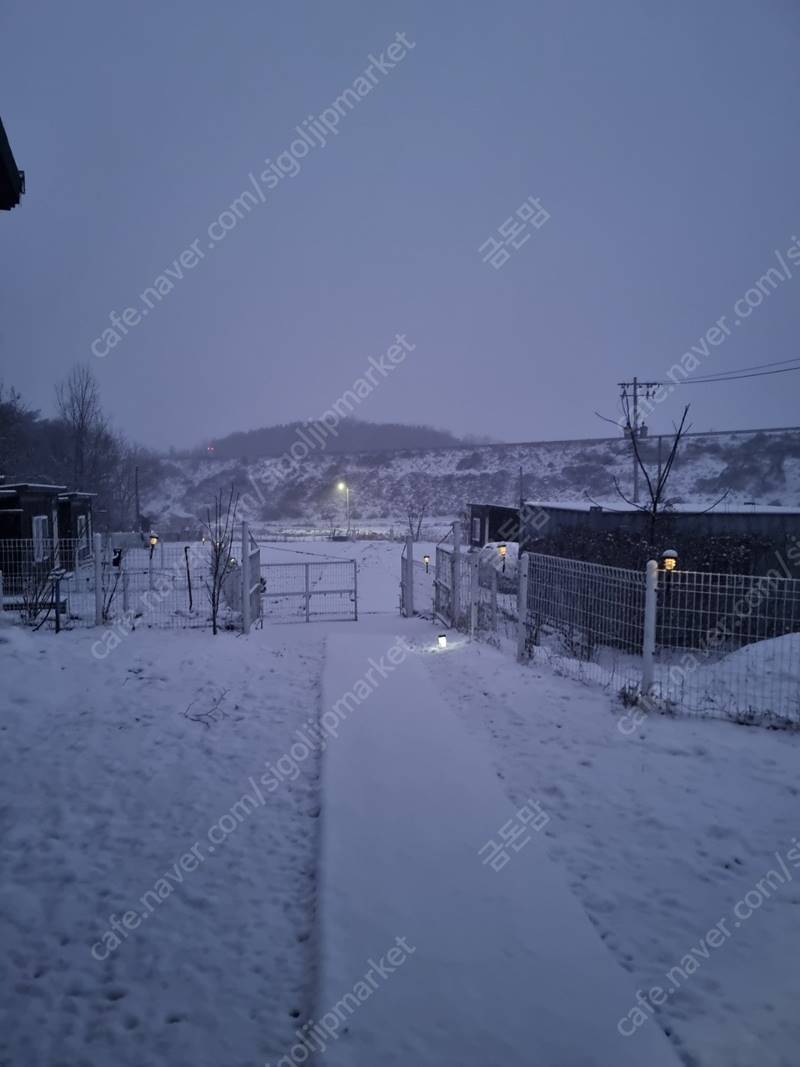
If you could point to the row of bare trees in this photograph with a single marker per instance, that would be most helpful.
(78, 448)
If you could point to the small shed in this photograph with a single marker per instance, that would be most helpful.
(45, 525)
(492, 522)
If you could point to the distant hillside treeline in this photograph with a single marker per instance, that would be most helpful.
(351, 435)
(759, 467)
(78, 449)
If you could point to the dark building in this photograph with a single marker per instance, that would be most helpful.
(741, 539)
(44, 525)
(492, 522)
(12, 179)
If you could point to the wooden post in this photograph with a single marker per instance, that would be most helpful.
(308, 593)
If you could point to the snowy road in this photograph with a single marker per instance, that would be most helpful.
(499, 963)
(116, 771)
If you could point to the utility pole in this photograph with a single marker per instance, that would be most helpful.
(136, 491)
(634, 431)
(521, 516)
(629, 393)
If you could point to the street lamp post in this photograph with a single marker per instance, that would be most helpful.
(345, 488)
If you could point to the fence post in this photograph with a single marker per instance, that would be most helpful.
(355, 591)
(245, 569)
(474, 594)
(494, 599)
(308, 593)
(649, 635)
(456, 583)
(98, 579)
(522, 606)
(408, 593)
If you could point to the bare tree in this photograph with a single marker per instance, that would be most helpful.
(220, 527)
(656, 487)
(417, 501)
(78, 400)
(17, 429)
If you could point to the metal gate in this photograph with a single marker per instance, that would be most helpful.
(301, 592)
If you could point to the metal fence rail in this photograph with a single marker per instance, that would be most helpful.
(721, 645)
(728, 645)
(48, 581)
(423, 578)
(585, 617)
(168, 587)
(718, 645)
(443, 585)
(305, 591)
(58, 583)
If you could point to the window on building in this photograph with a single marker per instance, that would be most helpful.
(476, 529)
(41, 550)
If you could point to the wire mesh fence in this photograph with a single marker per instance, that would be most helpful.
(725, 645)
(167, 585)
(47, 581)
(586, 619)
(497, 610)
(423, 578)
(443, 585)
(58, 583)
(719, 645)
(304, 591)
(728, 645)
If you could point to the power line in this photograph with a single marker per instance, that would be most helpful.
(757, 366)
(736, 377)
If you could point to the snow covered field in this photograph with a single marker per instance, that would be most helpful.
(664, 833)
(158, 897)
(160, 852)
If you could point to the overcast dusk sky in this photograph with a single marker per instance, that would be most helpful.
(661, 140)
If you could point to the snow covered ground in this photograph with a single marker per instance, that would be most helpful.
(665, 832)
(160, 844)
(424, 852)
(158, 891)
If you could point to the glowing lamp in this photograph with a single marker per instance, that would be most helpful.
(441, 641)
(669, 558)
(427, 561)
(503, 550)
(153, 540)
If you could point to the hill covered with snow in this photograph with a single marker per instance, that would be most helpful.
(763, 467)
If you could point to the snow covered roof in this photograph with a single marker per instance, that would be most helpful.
(16, 486)
(736, 508)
